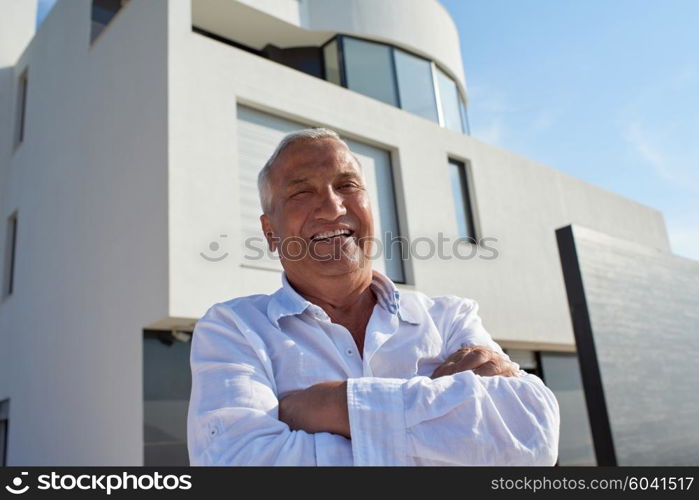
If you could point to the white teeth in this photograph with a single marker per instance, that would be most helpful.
(330, 234)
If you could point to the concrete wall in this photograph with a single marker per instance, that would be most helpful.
(518, 201)
(90, 186)
(421, 26)
(17, 22)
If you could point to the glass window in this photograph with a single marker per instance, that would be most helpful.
(10, 251)
(561, 373)
(525, 359)
(377, 168)
(21, 107)
(449, 101)
(332, 63)
(3, 440)
(4, 419)
(167, 383)
(103, 11)
(462, 202)
(415, 85)
(369, 69)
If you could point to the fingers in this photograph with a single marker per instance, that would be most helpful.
(481, 360)
(446, 368)
(450, 366)
(497, 365)
(474, 358)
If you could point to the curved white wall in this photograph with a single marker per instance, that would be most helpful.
(422, 26)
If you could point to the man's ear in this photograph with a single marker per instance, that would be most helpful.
(268, 232)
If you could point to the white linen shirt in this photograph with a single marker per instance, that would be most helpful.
(247, 353)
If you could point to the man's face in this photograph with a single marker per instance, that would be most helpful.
(321, 220)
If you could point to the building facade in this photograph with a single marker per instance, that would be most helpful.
(131, 136)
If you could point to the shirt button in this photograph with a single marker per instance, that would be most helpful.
(349, 352)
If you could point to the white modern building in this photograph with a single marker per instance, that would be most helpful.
(131, 134)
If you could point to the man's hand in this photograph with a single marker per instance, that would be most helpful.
(320, 408)
(481, 360)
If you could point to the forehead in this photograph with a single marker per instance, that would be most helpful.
(317, 158)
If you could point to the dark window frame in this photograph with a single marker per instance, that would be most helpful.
(467, 197)
(340, 59)
(10, 254)
(21, 114)
(109, 6)
(4, 417)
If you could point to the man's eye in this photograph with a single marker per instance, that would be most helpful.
(300, 193)
(349, 185)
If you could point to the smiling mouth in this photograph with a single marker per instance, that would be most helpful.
(328, 236)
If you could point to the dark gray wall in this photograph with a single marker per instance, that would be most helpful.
(642, 334)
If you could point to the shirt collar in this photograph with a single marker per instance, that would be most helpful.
(288, 302)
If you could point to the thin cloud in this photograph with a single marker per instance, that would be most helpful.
(657, 158)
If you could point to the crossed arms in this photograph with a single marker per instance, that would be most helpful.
(461, 416)
(323, 407)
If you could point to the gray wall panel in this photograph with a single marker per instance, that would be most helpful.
(643, 309)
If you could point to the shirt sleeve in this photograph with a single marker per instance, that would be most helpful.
(233, 408)
(460, 419)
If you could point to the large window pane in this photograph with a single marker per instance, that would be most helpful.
(332, 63)
(167, 383)
(449, 102)
(462, 202)
(561, 373)
(376, 164)
(369, 69)
(415, 85)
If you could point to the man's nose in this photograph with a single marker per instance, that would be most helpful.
(332, 205)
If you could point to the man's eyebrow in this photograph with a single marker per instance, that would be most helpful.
(351, 174)
(299, 180)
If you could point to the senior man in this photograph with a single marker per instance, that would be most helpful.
(338, 367)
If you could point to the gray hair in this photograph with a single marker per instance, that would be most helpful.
(309, 134)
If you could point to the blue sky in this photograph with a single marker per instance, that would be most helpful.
(605, 90)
